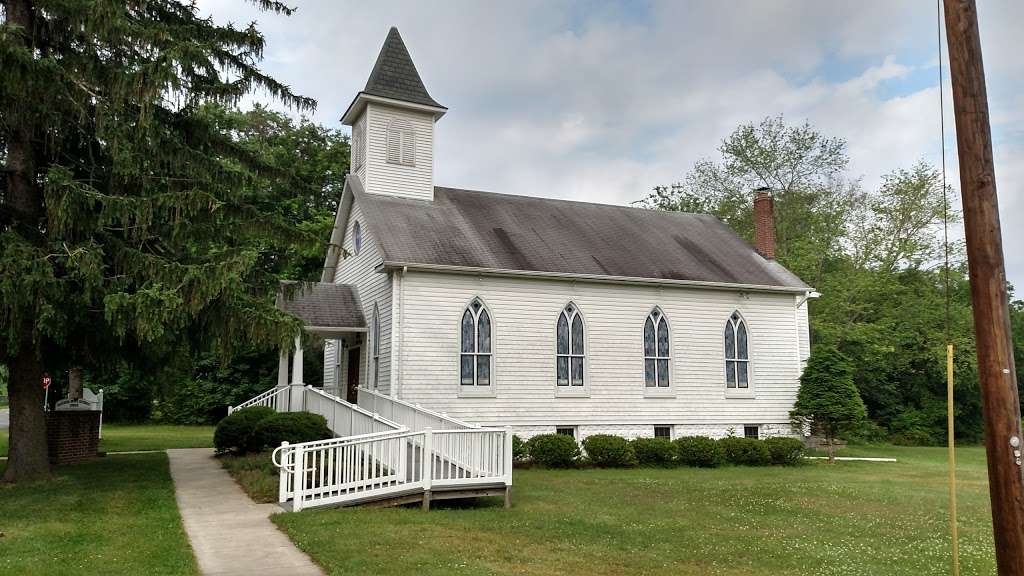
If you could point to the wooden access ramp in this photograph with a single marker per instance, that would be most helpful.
(379, 461)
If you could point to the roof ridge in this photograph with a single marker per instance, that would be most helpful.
(568, 201)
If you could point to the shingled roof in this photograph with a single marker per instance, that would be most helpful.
(323, 305)
(471, 229)
(395, 76)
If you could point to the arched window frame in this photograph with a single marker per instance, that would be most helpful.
(657, 362)
(375, 346)
(569, 360)
(737, 360)
(481, 353)
(401, 143)
(357, 238)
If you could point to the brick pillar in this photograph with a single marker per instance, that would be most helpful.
(72, 435)
(764, 223)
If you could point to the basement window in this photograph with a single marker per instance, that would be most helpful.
(566, 431)
(663, 432)
(750, 432)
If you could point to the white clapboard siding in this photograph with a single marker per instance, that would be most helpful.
(371, 287)
(382, 177)
(524, 312)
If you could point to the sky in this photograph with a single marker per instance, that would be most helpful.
(600, 101)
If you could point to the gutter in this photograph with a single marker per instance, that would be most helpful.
(392, 265)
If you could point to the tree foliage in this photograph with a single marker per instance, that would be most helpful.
(875, 256)
(126, 224)
(828, 401)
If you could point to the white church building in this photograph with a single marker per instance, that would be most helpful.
(544, 315)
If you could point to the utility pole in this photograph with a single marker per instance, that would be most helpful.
(988, 285)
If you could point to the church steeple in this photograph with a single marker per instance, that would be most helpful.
(395, 76)
(392, 122)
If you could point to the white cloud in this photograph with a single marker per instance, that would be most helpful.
(600, 101)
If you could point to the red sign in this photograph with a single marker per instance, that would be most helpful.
(46, 380)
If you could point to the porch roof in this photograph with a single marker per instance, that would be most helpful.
(324, 307)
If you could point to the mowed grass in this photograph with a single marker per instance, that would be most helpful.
(132, 437)
(850, 518)
(109, 516)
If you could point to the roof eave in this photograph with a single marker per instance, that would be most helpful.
(363, 98)
(700, 284)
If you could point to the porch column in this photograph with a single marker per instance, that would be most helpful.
(282, 369)
(296, 398)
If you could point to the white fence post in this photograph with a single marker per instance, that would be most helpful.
(507, 457)
(427, 458)
(282, 488)
(299, 484)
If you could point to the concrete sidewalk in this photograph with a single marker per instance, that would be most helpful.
(230, 534)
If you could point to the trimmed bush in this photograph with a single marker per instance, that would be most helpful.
(745, 451)
(519, 452)
(699, 451)
(608, 451)
(237, 431)
(553, 450)
(785, 451)
(654, 451)
(292, 427)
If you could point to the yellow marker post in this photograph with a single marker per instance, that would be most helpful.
(952, 459)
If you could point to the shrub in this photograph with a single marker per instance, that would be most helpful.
(745, 451)
(553, 450)
(828, 399)
(699, 451)
(785, 451)
(608, 451)
(519, 452)
(291, 427)
(654, 451)
(237, 431)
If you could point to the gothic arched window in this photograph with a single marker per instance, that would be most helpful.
(475, 359)
(737, 357)
(657, 357)
(570, 353)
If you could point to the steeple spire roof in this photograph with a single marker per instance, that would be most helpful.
(395, 76)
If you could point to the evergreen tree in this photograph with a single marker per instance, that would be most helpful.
(828, 401)
(125, 225)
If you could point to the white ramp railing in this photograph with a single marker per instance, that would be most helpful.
(373, 466)
(343, 418)
(385, 448)
(276, 398)
(412, 416)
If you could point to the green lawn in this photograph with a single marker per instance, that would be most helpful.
(130, 437)
(114, 515)
(851, 518)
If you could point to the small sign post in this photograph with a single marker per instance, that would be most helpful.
(46, 387)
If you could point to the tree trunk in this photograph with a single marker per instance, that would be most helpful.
(75, 384)
(27, 455)
(830, 447)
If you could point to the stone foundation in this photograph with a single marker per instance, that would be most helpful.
(72, 435)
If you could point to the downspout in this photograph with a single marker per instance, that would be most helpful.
(398, 303)
(796, 324)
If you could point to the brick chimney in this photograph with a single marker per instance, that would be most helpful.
(764, 223)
